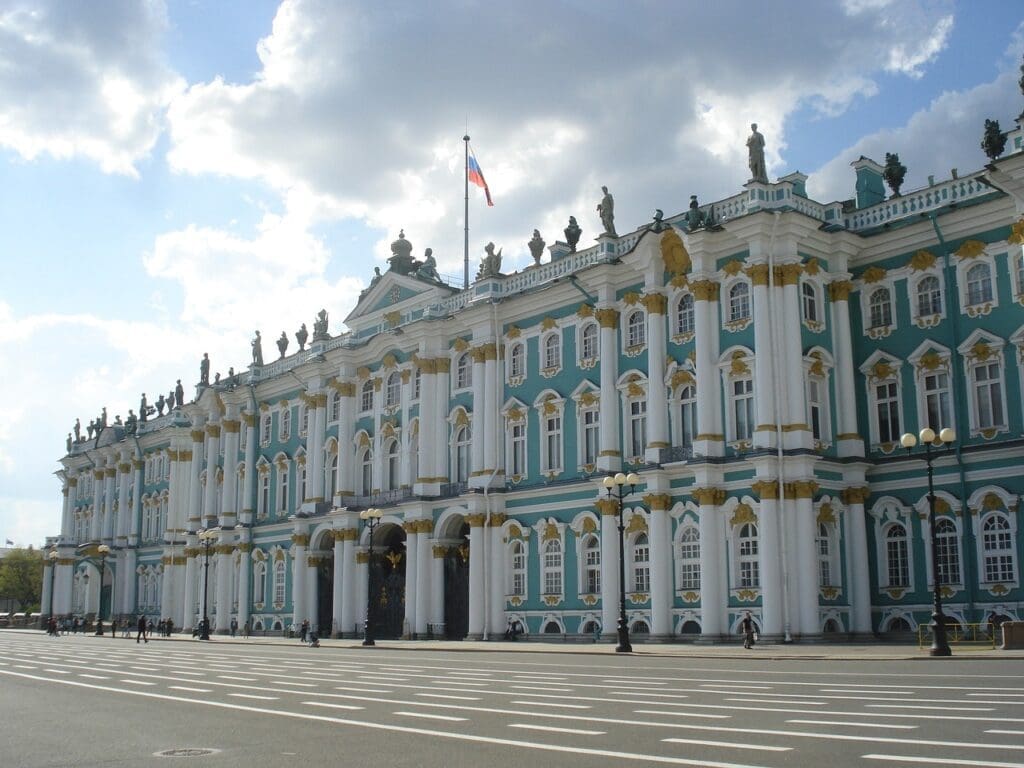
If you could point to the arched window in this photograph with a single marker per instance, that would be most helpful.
(265, 430)
(687, 415)
(897, 556)
(331, 481)
(591, 552)
(929, 297)
(641, 564)
(259, 581)
(335, 406)
(997, 549)
(947, 551)
(810, 302)
(366, 473)
(393, 391)
(416, 380)
(688, 576)
(393, 458)
(749, 566)
(743, 408)
(739, 302)
(552, 567)
(517, 361)
(282, 489)
(284, 428)
(280, 574)
(300, 485)
(588, 342)
(263, 500)
(463, 439)
(636, 329)
(366, 397)
(414, 457)
(880, 308)
(684, 314)
(637, 407)
(552, 351)
(824, 556)
(303, 420)
(464, 371)
(979, 284)
(517, 559)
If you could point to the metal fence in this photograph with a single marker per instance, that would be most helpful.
(980, 637)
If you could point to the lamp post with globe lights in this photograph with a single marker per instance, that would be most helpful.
(371, 517)
(103, 551)
(206, 538)
(52, 557)
(618, 482)
(928, 438)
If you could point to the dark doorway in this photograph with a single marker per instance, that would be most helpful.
(325, 596)
(387, 582)
(456, 588)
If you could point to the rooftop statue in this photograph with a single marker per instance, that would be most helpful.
(216, 378)
(428, 269)
(117, 421)
(755, 156)
(606, 210)
(490, 265)
(103, 416)
(572, 234)
(204, 369)
(694, 217)
(257, 349)
(282, 343)
(401, 260)
(78, 430)
(320, 332)
(536, 246)
(144, 408)
(657, 225)
(160, 403)
(69, 443)
(894, 172)
(300, 336)
(131, 423)
(179, 393)
(171, 400)
(90, 428)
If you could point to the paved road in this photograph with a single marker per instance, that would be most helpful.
(88, 701)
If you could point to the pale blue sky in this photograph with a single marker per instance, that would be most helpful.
(176, 175)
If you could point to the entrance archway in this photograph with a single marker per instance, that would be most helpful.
(387, 582)
(324, 608)
(456, 579)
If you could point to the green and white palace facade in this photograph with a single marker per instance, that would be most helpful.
(755, 361)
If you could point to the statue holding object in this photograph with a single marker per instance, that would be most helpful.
(320, 332)
(204, 369)
(257, 349)
(606, 210)
(490, 265)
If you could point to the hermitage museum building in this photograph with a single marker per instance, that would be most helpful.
(756, 361)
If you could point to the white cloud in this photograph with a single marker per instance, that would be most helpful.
(83, 79)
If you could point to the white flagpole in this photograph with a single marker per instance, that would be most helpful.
(465, 181)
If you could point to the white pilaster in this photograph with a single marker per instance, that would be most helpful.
(229, 502)
(770, 566)
(857, 571)
(423, 584)
(609, 457)
(337, 597)
(805, 557)
(657, 398)
(347, 627)
(714, 590)
(609, 565)
(660, 538)
(710, 441)
(412, 554)
(476, 575)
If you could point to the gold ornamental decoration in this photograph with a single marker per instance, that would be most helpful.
(608, 317)
(970, 249)
(873, 275)
(840, 290)
(922, 260)
(743, 514)
(674, 254)
(1017, 232)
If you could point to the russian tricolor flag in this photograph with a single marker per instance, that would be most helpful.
(475, 175)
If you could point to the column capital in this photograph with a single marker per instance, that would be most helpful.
(758, 274)
(801, 489)
(232, 426)
(705, 290)
(655, 303)
(607, 506)
(658, 501)
(765, 489)
(708, 496)
(855, 495)
(300, 539)
(476, 520)
(839, 290)
(608, 317)
(197, 435)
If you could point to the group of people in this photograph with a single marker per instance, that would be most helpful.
(308, 635)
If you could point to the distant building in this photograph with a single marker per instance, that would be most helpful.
(756, 361)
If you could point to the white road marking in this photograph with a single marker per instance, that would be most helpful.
(361, 690)
(186, 688)
(446, 696)
(459, 682)
(292, 682)
(136, 682)
(145, 669)
(739, 686)
(331, 706)
(705, 715)
(852, 692)
(943, 709)
(429, 716)
(551, 704)
(93, 677)
(630, 682)
(59, 671)
(24, 666)
(730, 744)
(235, 677)
(385, 678)
(857, 725)
(1006, 733)
(552, 729)
(540, 688)
(802, 702)
(253, 696)
(941, 761)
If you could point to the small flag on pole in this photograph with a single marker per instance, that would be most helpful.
(9, 543)
(476, 176)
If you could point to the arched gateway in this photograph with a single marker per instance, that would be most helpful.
(387, 582)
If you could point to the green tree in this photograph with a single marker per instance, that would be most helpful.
(21, 577)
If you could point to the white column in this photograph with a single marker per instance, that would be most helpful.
(166, 584)
(130, 580)
(298, 553)
(799, 435)
(319, 428)
(476, 575)
(124, 513)
(362, 589)
(138, 466)
(610, 455)
(770, 565)
(479, 435)
(496, 565)
(62, 589)
(714, 590)
(709, 389)
(189, 601)
(428, 425)
(337, 597)
(423, 584)
(441, 401)
(764, 377)
(859, 582)
(247, 502)
(348, 584)
(45, 606)
(66, 513)
(657, 398)
(195, 488)
(412, 554)
(345, 482)
(312, 591)
(609, 565)
(847, 437)
(108, 500)
(244, 578)
(805, 557)
(490, 414)
(660, 538)
(212, 442)
(437, 551)
(225, 568)
(229, 503)
(96, 529)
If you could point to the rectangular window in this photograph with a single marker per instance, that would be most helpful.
(888, 412)
(743, 408)
(936, 400)
(590, 436)
(518, 450)
(988, 396)
(265, 430)
(553, 432)
(637, 427)
(899, 568)
(814, 402)
(593, 561)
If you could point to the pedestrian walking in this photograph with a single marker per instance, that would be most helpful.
(142, 630)
(113, 628)
(234, 626)
(304, 630)
(747, 629)
(245, 629)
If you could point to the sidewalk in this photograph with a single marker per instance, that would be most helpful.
(880, 651)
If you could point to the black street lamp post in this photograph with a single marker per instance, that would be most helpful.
(104, 550)
(619, 481)
(372, 518)
(52, 557)
(206, 539)
(940, 646)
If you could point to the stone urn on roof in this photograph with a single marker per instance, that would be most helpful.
(401, 260)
